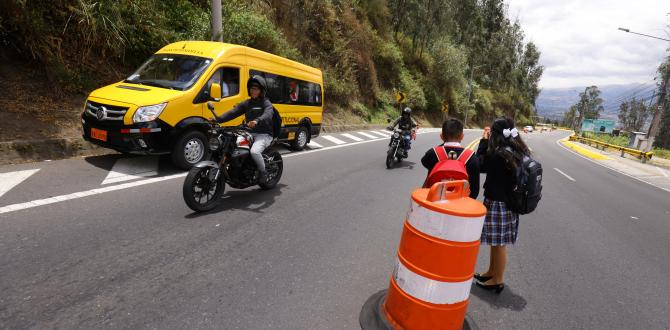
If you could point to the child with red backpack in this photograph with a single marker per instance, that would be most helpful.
(450, 161)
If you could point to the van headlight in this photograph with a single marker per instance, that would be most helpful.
(148, 113)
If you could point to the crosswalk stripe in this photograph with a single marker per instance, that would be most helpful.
(387, 133)
(12, 179)
(313, 144)
(126, 169)
(370, 136)
(355, 138)
(380, 134)
(333, 139)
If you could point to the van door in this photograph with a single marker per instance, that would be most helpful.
(232, 92)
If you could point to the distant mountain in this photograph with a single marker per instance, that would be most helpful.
(554, 102)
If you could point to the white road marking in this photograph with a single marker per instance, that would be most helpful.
(126, 169)
(333, 139)
(565, 175)
(12, 179)
(355, 138)
(380, 134)
(387, 133)
(313, 144)
(81, 194)
(634, 218)
(662, 172)
(369, 136)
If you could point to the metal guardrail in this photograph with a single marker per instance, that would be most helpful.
(644, 156)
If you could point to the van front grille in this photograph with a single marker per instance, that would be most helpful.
(105, 112)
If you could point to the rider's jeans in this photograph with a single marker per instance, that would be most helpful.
(261, 141)
(408, 141)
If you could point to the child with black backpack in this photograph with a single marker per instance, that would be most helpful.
(466, 165)
(501, 152)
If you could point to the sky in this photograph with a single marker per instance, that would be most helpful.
(582, 46)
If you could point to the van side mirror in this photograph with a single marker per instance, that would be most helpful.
(215, 92)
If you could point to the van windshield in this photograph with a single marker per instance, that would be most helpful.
(170, 71)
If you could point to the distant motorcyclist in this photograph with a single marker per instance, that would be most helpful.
(258, 113)
(408, 127)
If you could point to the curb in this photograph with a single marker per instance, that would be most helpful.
(13, 152)
(583, 151)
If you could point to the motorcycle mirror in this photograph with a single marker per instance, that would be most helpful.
(388, 120)
(210, 106)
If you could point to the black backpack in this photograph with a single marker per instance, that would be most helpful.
(527, 191)
(276, 123)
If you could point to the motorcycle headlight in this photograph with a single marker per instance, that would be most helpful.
(396, 135)
(148, 113)
(214, 144)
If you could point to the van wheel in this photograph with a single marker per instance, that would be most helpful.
(190, 149)
(301, 137)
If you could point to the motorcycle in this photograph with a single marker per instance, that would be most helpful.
(230, 163)
(396, 151)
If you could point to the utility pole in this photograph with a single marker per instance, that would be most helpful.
(217, 34)
(662, 99)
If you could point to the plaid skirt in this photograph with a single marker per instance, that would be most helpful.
(501, 225)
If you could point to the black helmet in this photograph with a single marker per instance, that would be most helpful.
(257, 81)
(406, 111)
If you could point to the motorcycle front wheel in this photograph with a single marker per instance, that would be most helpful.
(201, 192)
(390, 155)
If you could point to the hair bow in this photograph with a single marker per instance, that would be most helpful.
(510, 132)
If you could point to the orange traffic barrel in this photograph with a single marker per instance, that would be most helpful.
(432, 277)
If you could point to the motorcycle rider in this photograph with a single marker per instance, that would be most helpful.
(258, 111)
(408, 126)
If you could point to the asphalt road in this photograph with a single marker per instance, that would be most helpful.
(308, 254)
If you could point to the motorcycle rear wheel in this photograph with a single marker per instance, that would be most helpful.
(275, 168)
(202, 194)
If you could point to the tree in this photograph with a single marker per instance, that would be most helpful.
(633, 114)
(589, 106)
(662, 139)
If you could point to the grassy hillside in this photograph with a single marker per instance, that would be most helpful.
(427, 48)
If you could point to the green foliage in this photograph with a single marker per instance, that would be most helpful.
(466, 53)
(661, 153)
(633, 114)
(621, 140)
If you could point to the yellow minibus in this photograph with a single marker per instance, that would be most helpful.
(162, 107)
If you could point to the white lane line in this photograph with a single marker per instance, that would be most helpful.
(333, 139)
(313, 144)
(349, 136)
(10, 180)
(369, 136)
(380, 134)
(81, 194)
(62, 198)
(126, 169)
(558, 142)
(565, 175)
(662, 172)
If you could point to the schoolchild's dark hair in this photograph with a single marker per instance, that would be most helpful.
(452, 129)
(498, 143)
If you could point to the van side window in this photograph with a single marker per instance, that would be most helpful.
(287, 90)
(228, 78)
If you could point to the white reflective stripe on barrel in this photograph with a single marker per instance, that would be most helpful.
(428, 290)
(445, 226)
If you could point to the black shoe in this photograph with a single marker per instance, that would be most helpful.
(491, 287)
(481, 278)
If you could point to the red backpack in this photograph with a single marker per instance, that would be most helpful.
(448, 167)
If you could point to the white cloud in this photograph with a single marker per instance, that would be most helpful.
(582, 46)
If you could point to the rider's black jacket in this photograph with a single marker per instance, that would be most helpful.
(404, 123)
(259, 109)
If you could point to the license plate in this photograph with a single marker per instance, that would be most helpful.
(291, 135)
(99, 134)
